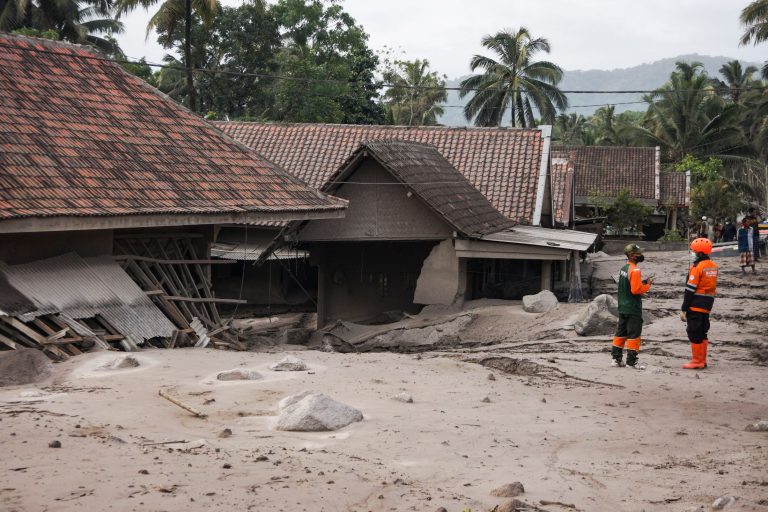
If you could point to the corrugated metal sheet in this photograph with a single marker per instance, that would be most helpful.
(251, 251)
(544, 237)
(12, 301)
(84, 288)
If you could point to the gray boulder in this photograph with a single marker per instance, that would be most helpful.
(542, 302)
(760, 426)
(723, 502)
(599, 318)
(239, 374)
(310, 411)
(289, 364)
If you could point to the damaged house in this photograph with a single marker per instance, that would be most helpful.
(418, 233)
(111, 195)
(508, 166)
(596, 175)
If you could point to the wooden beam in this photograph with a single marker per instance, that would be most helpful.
(205, 299)
(172, 262)
(8, 342)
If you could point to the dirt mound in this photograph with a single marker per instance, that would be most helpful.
(23, 366)
(527, 368)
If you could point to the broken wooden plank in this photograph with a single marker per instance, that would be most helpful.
(181, 404)
(205, 299)
(7, 342)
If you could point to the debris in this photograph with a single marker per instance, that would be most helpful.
(181, 404)
(121, 363)
(311, 411)
(491, 376)
(403, 397)
(486, 400)
(164, 442)
(54, 444)
(143, 472)
(599, 317)
(561, 504)
(760, 426)
(513, 506)
(723, 502)
(227, 465)
(542, 302)
(289, 364)
(509, 490)
(225, 433)
(23, 366)
(239, 374)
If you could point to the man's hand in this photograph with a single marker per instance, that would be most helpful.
(683, 316)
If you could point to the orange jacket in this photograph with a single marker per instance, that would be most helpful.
(701, 286)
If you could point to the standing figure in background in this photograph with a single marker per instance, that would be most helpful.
(718, 233)
(746, 258)
(703, 228)
(729, 231)
(699, 297)
(755, 221)
(631, 290)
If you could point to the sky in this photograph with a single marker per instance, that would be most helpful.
(584, 34)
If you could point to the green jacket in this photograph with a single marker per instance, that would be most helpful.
(631, 290)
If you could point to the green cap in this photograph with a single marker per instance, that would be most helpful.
(632, 249)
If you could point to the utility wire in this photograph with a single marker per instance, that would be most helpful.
(338, 81)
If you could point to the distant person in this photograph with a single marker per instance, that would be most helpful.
(700, 287)
(718, 232)
(755, 221)
(703, 228)
(630, 328)
(729, 231)
(746, 254)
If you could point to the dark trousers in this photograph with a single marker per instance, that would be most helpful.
(756, 246)
(698, 326)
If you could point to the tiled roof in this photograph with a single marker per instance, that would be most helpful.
(675, 189)
(562, 176)
(80, 136)
(609, 169)
(431, 177)
(502, 163)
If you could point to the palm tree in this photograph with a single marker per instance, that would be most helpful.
(515, 82)
(687, 116)
(166, 20)
(571, 130)
(736, 79)
(416, 93)
(77, 21)
(754, 17)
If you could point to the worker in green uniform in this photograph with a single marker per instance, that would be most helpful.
(631, 290)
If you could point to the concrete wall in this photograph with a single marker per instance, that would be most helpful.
(19, 248)
(617, 246)
(359, 280)
(385, 211)
(443, 276)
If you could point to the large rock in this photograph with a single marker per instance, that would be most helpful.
(289, 364)
(509, 490)
(23, 366)
(310, 411)
(542, 302)
(239, 374)
(599, 318)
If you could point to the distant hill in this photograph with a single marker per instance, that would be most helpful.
(642, 77)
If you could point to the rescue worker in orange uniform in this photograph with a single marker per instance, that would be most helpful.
(631, 290)
(699, 298)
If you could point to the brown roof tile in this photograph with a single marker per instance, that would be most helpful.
(79, 136)
(432, 178)
(675, 189)
(502, 163)
(609, 169)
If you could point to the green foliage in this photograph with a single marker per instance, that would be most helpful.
(700, 170)
(515, 82)
(717, 199)
(417, 101)
(754, 17)
(34, 32)
(671, 235)
(598, 201)
(627, 213)
(142, 70)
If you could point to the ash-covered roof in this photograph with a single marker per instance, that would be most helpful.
(504, 164)
(431, 177)
(79, 136)
(675, 189)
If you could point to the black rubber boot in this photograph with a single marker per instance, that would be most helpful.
(617, 353)
(632, 360)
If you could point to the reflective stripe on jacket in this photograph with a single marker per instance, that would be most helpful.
(701, 286)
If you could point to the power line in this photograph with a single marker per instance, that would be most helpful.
(377, 85)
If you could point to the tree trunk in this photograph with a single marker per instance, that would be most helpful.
(188, 56)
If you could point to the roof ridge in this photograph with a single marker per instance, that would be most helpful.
(53, 43)
(385, 126)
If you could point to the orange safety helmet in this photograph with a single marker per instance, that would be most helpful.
(702, 245)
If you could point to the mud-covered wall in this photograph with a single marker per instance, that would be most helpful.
(443, 277)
